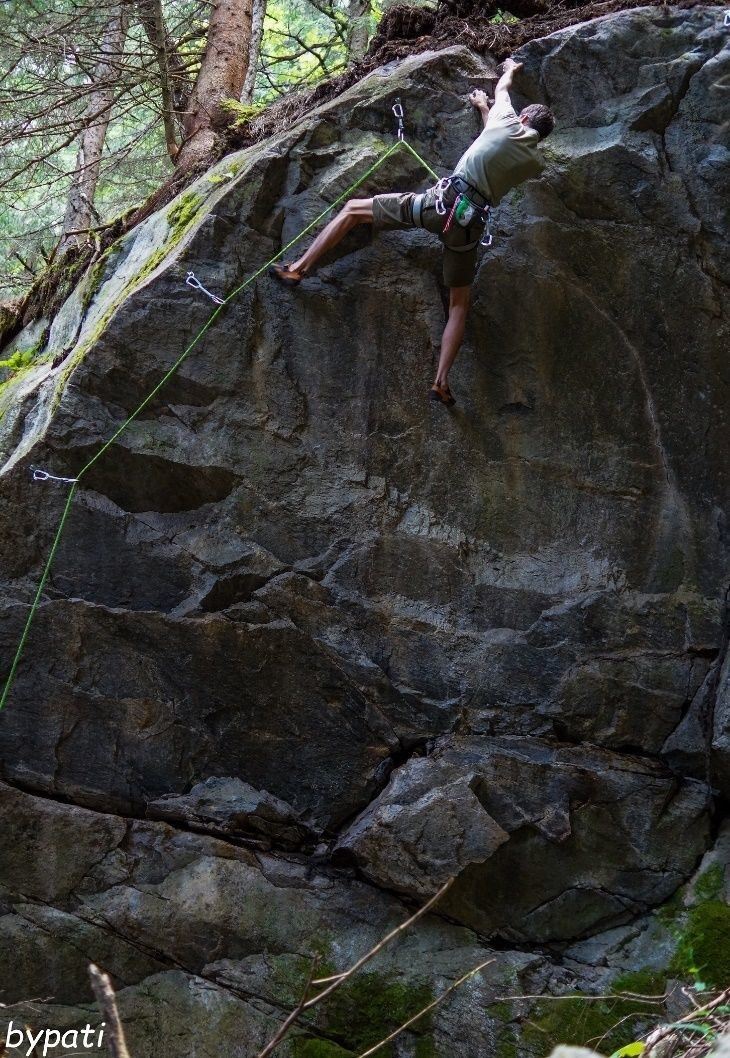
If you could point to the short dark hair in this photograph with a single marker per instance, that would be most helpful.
(540, 118)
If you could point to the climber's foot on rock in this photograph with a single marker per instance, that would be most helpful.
(441, 394)
(286, 274)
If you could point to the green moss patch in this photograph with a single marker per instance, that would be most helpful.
(668, 914)
(94, 277)
(370, 1007)
(180, 219)
(500, 1011)
(183, 212)
(357, 1015)
(704, 945)
(239, 114)
(710, 884)
(605, 1024)
(641, 982)
(507, 1044)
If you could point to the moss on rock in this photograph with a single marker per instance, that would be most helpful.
(359, 1014)
(239, 114)
(94, 277)
(646, 982)
(604, 1024)
(704, 944)
(710, 884)
(183, 212)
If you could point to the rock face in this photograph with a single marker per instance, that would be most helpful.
(307, 638)
(592, 840)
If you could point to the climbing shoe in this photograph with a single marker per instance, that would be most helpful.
(441, 395)
(285, 275)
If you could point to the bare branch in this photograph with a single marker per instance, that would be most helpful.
(417, 1017)
(339, 979)
(102, 988)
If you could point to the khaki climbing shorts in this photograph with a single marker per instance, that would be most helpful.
(400, 211)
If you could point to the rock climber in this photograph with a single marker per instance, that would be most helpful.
(502, 156)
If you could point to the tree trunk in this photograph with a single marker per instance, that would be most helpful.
(175, 86)
(80, 202)
(358, 12)
(221, 76)
(257, 32)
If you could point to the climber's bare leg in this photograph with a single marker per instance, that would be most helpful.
(453, 333)
(357, 211)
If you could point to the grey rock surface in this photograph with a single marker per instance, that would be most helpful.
(342, 641)
(720, 755)
(535, 805)
(208, 943)
(230, 808)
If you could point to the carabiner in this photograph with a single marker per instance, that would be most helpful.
(487, 238)
(397, 109)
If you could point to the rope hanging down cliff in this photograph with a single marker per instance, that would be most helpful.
(43, 475)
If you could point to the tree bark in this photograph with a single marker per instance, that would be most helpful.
(80, 202)
(358, 12)
(257, 32)
(221, 76)
(175, 86)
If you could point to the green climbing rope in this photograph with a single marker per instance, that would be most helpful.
(165, 378)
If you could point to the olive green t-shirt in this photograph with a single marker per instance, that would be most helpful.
(502, 156)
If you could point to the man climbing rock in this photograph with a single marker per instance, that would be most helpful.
(502, 156)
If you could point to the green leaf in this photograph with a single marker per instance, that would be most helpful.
(631, 1050)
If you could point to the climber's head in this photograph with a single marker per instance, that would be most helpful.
(538, 117)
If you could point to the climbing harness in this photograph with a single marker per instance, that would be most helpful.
(398, 111)
(43, 475)
(465, 209)
(195, 283)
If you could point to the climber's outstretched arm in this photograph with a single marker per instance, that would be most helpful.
(504, 84)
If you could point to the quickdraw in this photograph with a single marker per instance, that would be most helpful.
(193, 281)
(42, 475)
